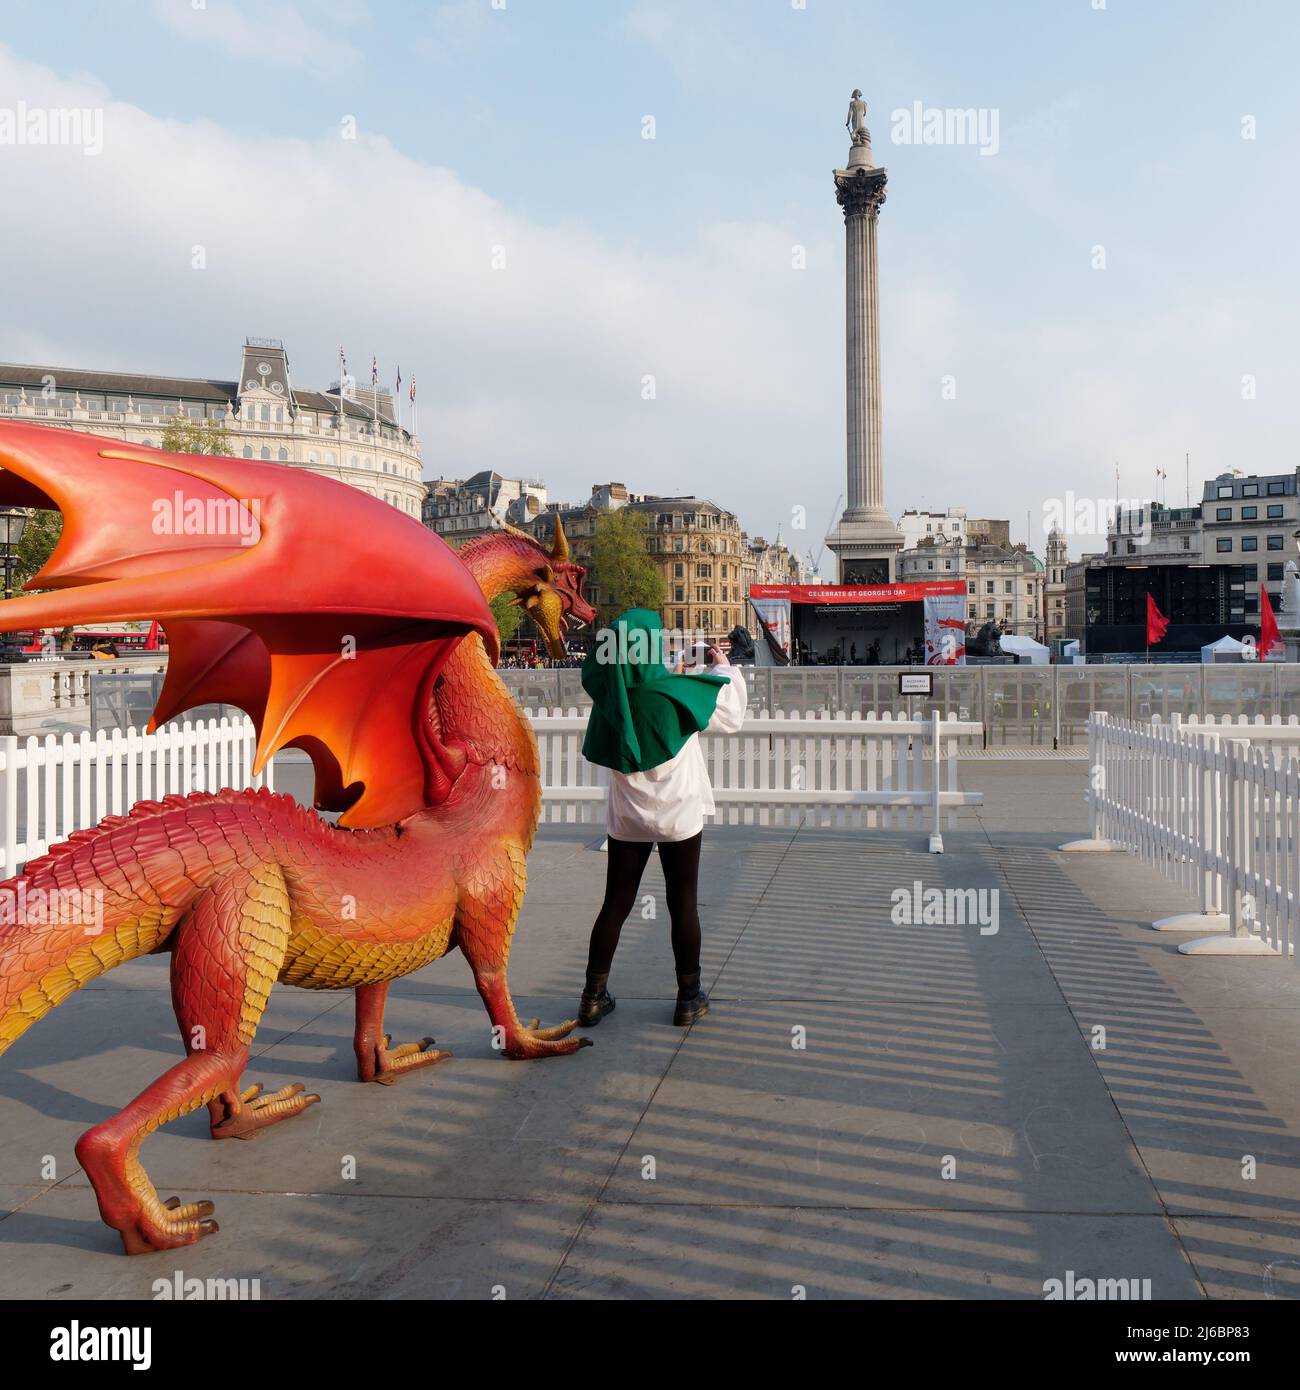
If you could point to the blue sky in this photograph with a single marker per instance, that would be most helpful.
(521, 127)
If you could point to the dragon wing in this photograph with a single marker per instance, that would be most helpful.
(323, 612)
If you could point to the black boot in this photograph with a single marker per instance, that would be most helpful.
(692, 1002)
(596, 1001)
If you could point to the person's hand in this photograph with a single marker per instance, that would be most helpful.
(715, 657)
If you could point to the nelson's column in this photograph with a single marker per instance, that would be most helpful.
(865, 541)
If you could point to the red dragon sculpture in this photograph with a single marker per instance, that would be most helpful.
(343, 628)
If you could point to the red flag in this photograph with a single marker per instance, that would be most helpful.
(1157, 623)
(1268, 634)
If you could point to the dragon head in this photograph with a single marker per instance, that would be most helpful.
(552, 594)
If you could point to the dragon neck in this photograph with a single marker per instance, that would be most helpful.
(473, 702)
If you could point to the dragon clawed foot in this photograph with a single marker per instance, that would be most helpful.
(168, 1225)
(245, 1116)
(527, 1041)
(388, 1065)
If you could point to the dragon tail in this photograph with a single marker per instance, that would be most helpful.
(109, 894)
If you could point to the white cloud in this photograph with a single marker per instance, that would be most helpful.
(534, 368)
(274, 32)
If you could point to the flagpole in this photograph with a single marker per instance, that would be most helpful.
(343, 369)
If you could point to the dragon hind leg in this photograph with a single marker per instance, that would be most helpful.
(485, 924)
(228, 952)
(109, 1153)
(375, 1060)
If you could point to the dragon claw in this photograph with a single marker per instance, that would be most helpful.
(167, 1225)
(528, 1041)
(389, 1064)
(254, 1112)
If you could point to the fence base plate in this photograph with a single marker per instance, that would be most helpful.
(936, 844)
(1193, 921)
(1091, 846)
(1228, 946)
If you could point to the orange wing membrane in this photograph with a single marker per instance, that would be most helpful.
(323, 612)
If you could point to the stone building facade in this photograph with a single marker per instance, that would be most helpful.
(459, 511)
(1054, 610)
(1005, 584)
(354, 438)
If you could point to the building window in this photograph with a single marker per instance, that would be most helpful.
(1250, 489)
(988, 610)
(988, 587)
(283, 455)
(679, 571)
(1273, 511)
(1223, 513)
(970, 589)
(679, 620)
(1275, 542)
(1277, 488)
(1225, 490)
(1223, 543)
(266, 454)
(248, 451)
(1250, 513)
(1276, 572)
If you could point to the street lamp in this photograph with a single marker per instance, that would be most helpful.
(13, 520)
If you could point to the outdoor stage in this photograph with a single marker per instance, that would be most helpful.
(866, 624)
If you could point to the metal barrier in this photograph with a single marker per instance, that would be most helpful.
(1019, 706)
(846, 770)
(1215, 806)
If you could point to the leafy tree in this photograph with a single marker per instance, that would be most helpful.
(621, 564)
(40, 536)
(508, 616)
(182, 435)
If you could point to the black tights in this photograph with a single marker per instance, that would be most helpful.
(627, 860)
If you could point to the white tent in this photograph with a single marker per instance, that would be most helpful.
(1225, 649)
(1026, 651)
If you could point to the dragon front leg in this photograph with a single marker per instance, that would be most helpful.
(228, 952)
(375, 1060)
(485, 922)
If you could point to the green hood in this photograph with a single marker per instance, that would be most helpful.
(642, 713)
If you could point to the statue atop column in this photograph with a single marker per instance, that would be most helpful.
(856, 123)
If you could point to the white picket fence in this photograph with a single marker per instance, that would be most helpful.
(847, 770)
(54, 785)
(844, 771)
(1215, 806)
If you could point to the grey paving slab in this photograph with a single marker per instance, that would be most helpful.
(475, 1126)
(299, 1245)
(825, 929)
(98, 1051)
(1243, 1259)
(1028, 803)
(876, 1102)
(627, 1251)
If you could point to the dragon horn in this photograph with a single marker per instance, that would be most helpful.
(559, 543)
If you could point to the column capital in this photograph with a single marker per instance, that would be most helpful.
(860, 192)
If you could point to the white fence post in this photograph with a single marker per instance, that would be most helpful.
(1102, 746)
(936, 759)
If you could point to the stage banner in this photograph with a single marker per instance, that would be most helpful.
(945, 629)
(775, 612)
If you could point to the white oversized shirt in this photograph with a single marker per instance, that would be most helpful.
(669, 802)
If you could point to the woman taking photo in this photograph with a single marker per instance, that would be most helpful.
(645, 724)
